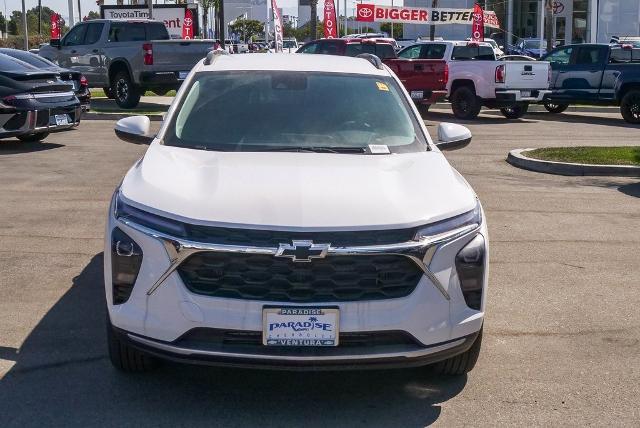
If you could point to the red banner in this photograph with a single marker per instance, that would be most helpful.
(477, 32)
(55, 26)
(330, 25)
(277, 27)
(187, 25)
(420, 15)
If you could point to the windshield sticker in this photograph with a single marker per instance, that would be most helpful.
(382, 86)
(379, 149)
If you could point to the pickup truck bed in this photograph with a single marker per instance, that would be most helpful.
(127, 57)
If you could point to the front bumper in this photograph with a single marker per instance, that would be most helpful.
(161, 310)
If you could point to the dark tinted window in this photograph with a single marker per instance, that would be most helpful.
(28, 57)
(560, 56)
(433, 51)
(412, 52)
(157, 31)
(75, 36)
(624, 55)
(328, 48)
(589, 55)
(309, 48)
(127, 32)
(482, 53)
(384, 51)
(8, 63)
(93, 33)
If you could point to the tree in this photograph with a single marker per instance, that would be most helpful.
(397, 29)
(249, 28)
(313, 22)
(92, 15)
(206, 5)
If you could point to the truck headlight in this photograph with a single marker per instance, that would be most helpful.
(126, 259)
(123, 211)
(470, 262)
(473, 217)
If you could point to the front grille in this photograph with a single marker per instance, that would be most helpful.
(268, 278)
(272, 238)
(204, 337)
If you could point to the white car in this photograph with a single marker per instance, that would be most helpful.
(341, 239)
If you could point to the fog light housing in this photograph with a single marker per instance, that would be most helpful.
(126, 259)
(470, 263)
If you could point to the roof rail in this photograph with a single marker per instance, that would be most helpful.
(373, 59)
(214, 55)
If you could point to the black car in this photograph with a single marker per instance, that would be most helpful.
(34, 102)
(79, 82)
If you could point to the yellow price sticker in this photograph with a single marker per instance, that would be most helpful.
(382, 86)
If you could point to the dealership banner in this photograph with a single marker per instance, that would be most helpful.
(55, 26)
(187, 25)
(477, 29)
(330, 26)
(277, 27)
(420, 15)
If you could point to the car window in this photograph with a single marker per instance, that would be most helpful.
(412, 52)
(127, 32)
(157, 31)
(589, 55)
(28, 57)
(473, 52)
(309, 48)
(8, 63)
(76, 35)
(624, 55)
(433, 51)
(385, 51)
(94, 31)
(561, 56)
(213, 115)
(328, 48)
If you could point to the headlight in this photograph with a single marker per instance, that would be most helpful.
(123, 211)
(473, 217)
(470, 263)
(126, 259)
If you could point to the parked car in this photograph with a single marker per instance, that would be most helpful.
(496, 49)
(349, 47)
(127, 57)
(477, 78)
(375, 255)
(404, 43)
(626, 40)
(529, 47)
(595, 74)
(34, 102)
(77, 80)
(423, 71)
(290, 45)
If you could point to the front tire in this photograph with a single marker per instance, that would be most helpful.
(127, 95)
(460, 364)
(630, 107)
(555, 107)
(125, 358)
(515, 112)
(465, 103)
(33, 138)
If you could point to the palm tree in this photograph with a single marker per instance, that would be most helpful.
(206, 5)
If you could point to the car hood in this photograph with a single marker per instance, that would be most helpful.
(297, 191)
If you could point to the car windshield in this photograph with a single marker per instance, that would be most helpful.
(289, 44)
(297, 111)
(534, 44)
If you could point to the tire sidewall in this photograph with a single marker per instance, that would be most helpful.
(466, 95)
(626, 105)
(124, 91)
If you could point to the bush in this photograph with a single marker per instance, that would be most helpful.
(16, 42)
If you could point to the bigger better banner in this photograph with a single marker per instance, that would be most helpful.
(419, 15)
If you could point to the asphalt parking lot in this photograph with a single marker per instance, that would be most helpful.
(562, 334)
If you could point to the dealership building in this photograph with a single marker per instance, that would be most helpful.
(574, 21)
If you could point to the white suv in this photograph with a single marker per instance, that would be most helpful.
(341, 239)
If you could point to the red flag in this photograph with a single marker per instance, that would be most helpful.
(187, 25)
(330, 26)
(277, 27)
(55, 26)
(477, 33)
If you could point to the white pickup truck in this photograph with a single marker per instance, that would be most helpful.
(477, 78)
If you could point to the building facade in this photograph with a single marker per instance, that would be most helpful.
(574, 21)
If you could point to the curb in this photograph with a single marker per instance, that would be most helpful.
(517, 159)
(117, 116)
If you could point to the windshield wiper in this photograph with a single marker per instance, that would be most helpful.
(315, 149)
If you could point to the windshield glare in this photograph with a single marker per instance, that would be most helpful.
(262, 110)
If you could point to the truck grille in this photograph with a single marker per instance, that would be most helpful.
(333, 279)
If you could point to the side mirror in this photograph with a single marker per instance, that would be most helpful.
(452, 136)
(55, 43)
(134, 129)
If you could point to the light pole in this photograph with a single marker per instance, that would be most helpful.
(71, 21)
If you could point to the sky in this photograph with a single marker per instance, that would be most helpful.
(62, 6)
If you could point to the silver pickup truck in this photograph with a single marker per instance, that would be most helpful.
(127, 57)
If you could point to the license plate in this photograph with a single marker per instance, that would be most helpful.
(182, 75)
(61, 119)
(525, 94)
(300, 326)
(417, 95)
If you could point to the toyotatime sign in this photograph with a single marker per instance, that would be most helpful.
(418, 15)
(173, 17)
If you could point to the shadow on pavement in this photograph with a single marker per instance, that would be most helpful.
(107, 105)
(14, 147)
(62, 377)
(480, 120)
(631, 189)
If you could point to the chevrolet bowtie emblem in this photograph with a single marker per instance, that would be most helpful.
(303, 251)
